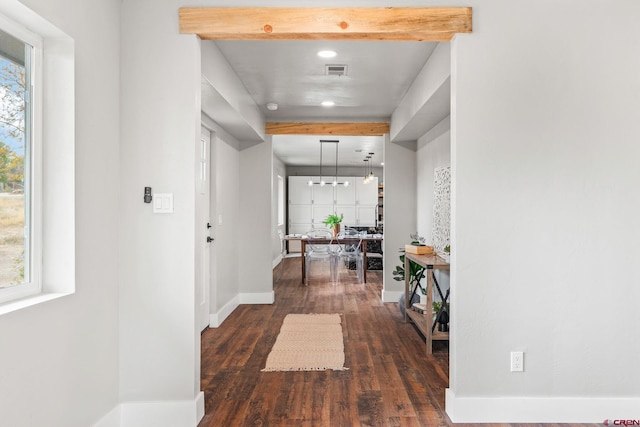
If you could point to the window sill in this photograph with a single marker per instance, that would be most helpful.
(16, 305)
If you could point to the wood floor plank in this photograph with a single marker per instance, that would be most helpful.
(370, 409)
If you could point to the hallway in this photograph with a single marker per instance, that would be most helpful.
(390, 381)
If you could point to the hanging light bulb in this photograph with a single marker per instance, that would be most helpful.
(366, 170)
(371, 175)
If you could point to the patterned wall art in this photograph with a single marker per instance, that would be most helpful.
(441, 208)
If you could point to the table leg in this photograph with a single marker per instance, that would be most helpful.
(303, 248)
(407, 298)
(364, 260)
(429, 310)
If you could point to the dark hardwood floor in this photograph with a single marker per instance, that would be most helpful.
(390, 382)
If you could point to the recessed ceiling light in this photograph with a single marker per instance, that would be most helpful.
(272, 106)
(381, 163)
(327, 54)
(328, 103)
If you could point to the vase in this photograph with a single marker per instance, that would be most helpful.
(336, 230)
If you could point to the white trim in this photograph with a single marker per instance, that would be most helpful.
(53, 187)
(10, 306)
(257, 298)
(187, 413)
(539, 409)
(216, 319)
(276, 261)
(112, 419)
(391, 296)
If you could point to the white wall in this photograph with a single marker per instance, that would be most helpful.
(227, 205)
(256, 281)
(545, 183)
(399, 210)
(160, 118)
(59, 359)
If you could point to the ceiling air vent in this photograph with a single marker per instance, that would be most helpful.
(335, 70)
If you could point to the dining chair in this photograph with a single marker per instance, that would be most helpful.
(351, 252)
(283, 253)
(321, 250)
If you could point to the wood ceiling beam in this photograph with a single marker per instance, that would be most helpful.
(314, 128)
(438, 24)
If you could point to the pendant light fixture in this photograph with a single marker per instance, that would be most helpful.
(335, 177)
(371, 175)
(335, 180)
(368, 171)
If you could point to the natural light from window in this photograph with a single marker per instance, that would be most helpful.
(15, 154)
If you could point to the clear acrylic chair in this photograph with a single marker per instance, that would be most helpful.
(351, 251)
(322, 249)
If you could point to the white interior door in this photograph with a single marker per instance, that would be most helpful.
(203, 237)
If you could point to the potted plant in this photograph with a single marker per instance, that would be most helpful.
(333, 222)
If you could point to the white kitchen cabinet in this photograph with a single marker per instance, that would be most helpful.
(320, 213)
(367, 194)
(299, 190)
(300, 214)
(349, 212)
(346, 195)
(323, 195)
(366, 215)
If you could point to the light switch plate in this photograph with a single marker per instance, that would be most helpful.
(163, 203)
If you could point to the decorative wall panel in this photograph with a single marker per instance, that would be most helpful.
(441, 208)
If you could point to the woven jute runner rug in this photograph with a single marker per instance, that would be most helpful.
(308, 342)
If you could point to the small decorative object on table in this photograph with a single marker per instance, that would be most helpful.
(418, 246)
(333, 222)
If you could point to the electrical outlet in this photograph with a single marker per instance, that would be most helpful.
(517, 361)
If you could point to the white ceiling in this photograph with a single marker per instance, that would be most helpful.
(304, 150)
(291, 74)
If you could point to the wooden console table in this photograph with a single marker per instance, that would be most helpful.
(424, 322)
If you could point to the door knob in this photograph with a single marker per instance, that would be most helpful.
(210, 239)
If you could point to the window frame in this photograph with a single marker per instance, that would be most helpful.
(55, 216)
(33, 162)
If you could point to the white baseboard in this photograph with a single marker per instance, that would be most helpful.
(276, 261)
(187, 413)
(540, 409)
(112, 419)
(216, 319)
(257, 298)
(391, 296)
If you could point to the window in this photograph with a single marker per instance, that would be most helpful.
(19, 273)
(38, 159)
(280, 200)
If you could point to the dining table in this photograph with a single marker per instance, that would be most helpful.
(305, 240)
